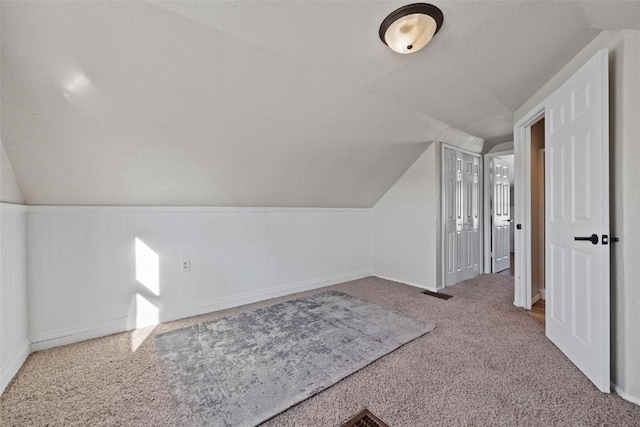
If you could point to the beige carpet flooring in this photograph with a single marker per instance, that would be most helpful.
(486, 363)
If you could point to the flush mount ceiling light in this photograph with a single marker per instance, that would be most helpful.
(410, 28)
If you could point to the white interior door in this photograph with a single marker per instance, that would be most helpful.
(453, 216)
(471, 216)
(501, 221)
(461, 198)
(577, 206)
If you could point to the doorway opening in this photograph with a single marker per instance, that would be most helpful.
(538, 305)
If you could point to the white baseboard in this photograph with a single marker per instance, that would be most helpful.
(121, 324)
(9, 369)
(409, 283)
(535, 299)
(251, 297)
(624, 395)
(72, 335)
(542, 293)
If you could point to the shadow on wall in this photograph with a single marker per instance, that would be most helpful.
(144, 315)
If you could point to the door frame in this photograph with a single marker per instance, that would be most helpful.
(522, 196)
(486, 215)
(481, 193)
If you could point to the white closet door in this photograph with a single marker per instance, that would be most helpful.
(452, 215)
(461, 198)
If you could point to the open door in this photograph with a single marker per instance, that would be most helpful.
(500, 236)
(577, 212)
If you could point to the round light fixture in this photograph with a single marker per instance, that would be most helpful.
(410, 28)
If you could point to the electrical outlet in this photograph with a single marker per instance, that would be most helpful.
(186, 266)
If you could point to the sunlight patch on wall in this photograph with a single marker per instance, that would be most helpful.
(147, 313)
(147, 267)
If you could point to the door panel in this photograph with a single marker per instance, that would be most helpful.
(471, 222)
(577, 185)
(459, 217)
(557, 269)
(500, 241)
(451, 217)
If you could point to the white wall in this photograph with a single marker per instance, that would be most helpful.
(14, 329)
(505, 146)
(83, 281)
(9, 191)
(624, 67)
(406, 225)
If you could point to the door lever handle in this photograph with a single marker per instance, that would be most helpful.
(593, 238)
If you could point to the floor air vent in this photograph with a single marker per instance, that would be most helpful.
(365, 419)
(437, 294)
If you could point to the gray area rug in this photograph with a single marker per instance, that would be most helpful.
(245, 369)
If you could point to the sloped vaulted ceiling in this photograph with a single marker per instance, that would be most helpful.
(261, 103)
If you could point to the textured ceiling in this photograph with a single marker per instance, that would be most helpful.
(262, 103)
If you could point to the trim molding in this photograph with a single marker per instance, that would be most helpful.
(522, 204)
(38, 209)
(408, 283)
(462, 150)
(263, 295)
(535, 299)
(117, 325)
(13, 365)
(624, 395)
(13, 208)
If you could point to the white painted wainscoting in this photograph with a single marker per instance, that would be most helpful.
(94, 271)
(14, 328)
